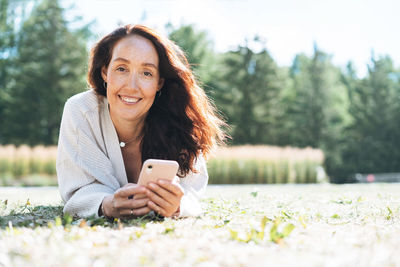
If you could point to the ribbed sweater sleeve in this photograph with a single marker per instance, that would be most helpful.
(84, 171)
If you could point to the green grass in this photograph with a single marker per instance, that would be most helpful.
(279, 225)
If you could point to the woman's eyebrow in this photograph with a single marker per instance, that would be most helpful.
(127, 61)
(121, 59)
(150, 65)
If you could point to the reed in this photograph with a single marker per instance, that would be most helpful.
(228, 165)
(22, 161)
(264, 164)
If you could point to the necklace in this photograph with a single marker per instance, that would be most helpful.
(123, 144)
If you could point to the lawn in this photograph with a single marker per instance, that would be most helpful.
(247, 225)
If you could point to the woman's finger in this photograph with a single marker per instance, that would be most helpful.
(139, 196)
(134, 212)
(161, 192)
(172, 187)
(128, 191)
(166, 203)
(130, 203)
(156, 208)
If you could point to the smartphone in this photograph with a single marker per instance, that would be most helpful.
(154, 169)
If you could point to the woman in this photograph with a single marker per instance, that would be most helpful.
(144, 103)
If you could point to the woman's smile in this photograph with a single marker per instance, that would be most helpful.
(129, 100)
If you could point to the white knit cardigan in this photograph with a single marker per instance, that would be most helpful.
(90, 164)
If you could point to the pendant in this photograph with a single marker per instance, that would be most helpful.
(122, 144)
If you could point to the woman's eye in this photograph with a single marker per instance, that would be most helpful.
(147, 74)
(121, 69)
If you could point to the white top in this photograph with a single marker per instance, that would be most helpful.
(90, 164)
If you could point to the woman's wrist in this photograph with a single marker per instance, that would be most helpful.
(103, 209)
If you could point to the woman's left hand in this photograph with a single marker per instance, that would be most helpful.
(165, 197)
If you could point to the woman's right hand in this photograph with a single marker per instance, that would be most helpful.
(123, 205)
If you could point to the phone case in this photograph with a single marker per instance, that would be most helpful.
(154, 169)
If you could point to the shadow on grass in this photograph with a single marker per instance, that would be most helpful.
(49, 216)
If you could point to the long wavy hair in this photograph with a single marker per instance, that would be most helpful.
(182, 122)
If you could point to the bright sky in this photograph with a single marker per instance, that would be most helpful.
(346, 29)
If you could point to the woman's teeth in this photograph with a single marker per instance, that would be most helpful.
(129, 99)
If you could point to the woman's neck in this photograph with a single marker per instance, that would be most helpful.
(127, 130)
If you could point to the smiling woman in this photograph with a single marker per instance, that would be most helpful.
(144, 104)
(133, 80)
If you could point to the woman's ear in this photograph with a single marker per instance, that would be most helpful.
(104, 73)
(160, 84)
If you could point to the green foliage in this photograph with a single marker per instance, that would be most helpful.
(5, 166)
(198, 49)
(7, 47)
(370, 142)
(277, 232)
(27, 215)
(27, 166)
(313, 103)
(248, 93)
(390, 213)
(254, 235)
(49, 66)
(316, 105)
(278, 235)
(20, 168)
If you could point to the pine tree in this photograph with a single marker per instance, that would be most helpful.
(7, 48)
(373, 135)
(315, 106)
(50, 67)
(249, 93)
(198, 49)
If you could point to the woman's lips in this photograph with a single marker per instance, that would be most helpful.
(129, 99)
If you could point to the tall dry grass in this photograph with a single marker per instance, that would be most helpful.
(18, 162)
(264, 164)
(228, 165)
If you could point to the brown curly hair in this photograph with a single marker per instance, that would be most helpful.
(182, 122)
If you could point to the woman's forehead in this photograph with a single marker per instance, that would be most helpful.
(135, 48)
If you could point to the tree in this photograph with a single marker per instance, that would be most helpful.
(50, 67)
(197, 47)
(7, 48)
(315, 109)
(373, 137)
(248, 93)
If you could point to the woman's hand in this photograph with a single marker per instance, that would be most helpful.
(122, 205)
(164, 197)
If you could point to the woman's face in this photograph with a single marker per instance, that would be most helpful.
(132, 78)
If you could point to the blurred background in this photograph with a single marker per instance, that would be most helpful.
(310, 89)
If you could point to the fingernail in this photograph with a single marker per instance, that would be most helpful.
(152, 185)
(161, 181)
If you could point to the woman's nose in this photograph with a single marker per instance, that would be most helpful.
(133, 82)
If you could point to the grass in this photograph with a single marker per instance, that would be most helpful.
(278, 225)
